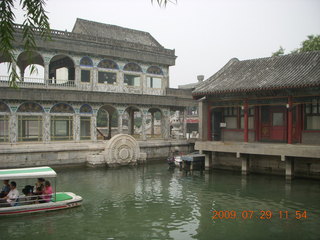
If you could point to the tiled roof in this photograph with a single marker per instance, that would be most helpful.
(288, 71)
(114, 32)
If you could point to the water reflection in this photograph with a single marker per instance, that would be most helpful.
(151, 202)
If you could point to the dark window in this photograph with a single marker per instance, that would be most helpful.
(85, 75)
(107, 77)
(132, 80)
(312, 115)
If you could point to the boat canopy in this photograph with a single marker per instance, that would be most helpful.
(36, 172)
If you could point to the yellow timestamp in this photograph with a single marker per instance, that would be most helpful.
(260, 214)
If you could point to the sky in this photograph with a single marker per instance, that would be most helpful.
(205, 34)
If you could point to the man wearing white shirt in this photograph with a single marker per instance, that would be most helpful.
(12, 196)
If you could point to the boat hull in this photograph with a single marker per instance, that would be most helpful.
(43, 207)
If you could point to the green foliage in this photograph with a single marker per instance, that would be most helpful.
(163, 3)
(36, 22)
(311, 44)
(279, 52)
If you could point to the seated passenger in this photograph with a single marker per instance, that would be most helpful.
(47, 191)
(12, 196)
(28, 197)
(39, 186)
(5, 189)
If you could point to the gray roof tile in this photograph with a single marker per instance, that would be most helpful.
(288, 71)
(114, 32)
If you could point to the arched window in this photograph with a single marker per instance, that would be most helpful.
(4, 122)
(85, 108)
(62, 108)
(30, 122)
(61, 122)
(154, 81)
(154, 70)
(107, 72)
(132, 67)
(109, 64)
(86, 61)
(85, 64)
(132, 79)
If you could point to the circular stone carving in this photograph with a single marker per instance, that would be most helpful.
(124, 153)
(122, 149)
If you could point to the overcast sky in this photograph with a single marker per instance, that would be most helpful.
(205, 34)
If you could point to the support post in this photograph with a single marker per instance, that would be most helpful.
(245, 161)
(289, 168)
(246, 131)
(209, 124)
(290, 120)
(203, 118)
(208, 160)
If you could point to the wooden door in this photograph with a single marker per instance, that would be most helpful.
(278, 129)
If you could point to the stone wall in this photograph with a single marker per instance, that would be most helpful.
(23, 155)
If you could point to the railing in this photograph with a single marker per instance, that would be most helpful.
(110, 41)
(28, 199)
(38, 82)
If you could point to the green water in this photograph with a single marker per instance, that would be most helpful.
(152, 202)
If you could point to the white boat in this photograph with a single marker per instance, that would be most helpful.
(178, 161)
(59, 200)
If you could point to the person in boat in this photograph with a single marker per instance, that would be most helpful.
(29, 197)
(12, 196)
(39, 189)
(5, 189)
(47, 193)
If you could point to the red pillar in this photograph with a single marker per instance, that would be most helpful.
(246, 109)
(290, 105)
(209, 124)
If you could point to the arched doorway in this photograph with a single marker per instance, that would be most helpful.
(107, 121)
(31, 66)
(132, 118)
(62, 70)
(154, 123)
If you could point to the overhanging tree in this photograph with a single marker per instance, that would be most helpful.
(36, 22)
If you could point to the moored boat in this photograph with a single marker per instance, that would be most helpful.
(25, 204)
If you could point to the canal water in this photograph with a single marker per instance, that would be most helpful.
(152, 202)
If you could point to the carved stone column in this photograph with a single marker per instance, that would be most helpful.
(46, 128)
(152, 123)
(13, 128)
(76, 127)
(77, 75)
(165, 124)
(185, 113)
(93, 129)
(143, 124)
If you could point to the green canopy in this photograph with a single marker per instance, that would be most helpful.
(35, 172)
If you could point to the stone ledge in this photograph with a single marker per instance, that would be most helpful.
(273, 149)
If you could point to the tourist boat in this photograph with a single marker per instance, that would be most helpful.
(59, 200)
